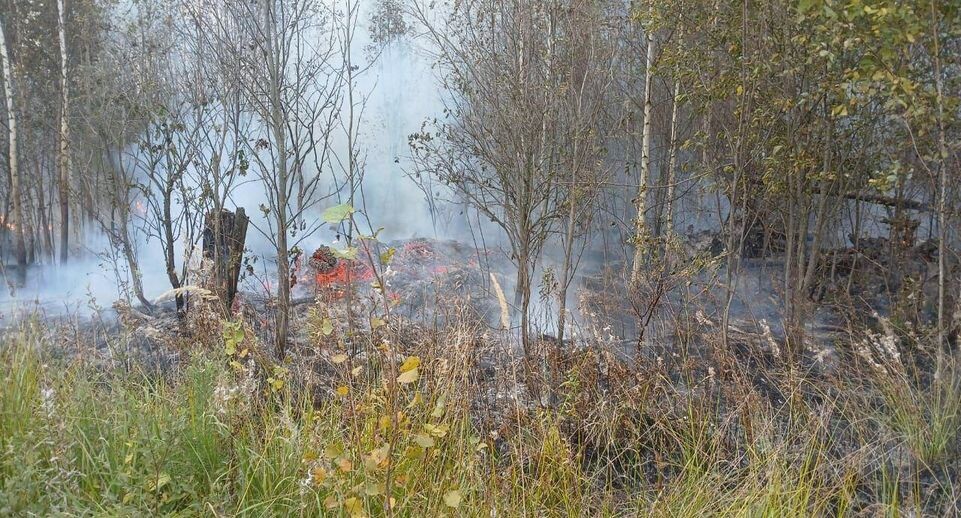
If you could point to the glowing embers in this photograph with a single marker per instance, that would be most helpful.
(419, 250)
(333, 275)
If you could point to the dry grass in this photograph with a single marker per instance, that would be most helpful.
(331, 433)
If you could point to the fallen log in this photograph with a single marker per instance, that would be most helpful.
(889, 201)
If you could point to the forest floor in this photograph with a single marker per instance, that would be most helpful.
(148, 415)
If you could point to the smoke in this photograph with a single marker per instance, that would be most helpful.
(399, 91)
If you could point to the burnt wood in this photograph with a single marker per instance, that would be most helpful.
(225, 249)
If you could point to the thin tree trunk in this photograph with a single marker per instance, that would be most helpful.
(522, 289)
(737, 237)
(278, 127)
(64, 154)
(569, 236)
(568, 252)
(640, 229)
(169, 259)
(43, 222)
(131, 256)
(943, 174)
(672, 165)
(15, 186)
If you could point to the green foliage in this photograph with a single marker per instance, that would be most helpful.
(350, 253)
(338, 213)
(233, 333)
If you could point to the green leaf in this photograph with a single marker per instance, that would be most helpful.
(233, 334)
(327, 327)
(437, 431)
(338, 213)
(439, 407)
(349, 253)
(424, 440)
(387, 256)
(333, 450)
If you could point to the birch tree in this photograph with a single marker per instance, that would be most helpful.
(16, 194)
(63, 159)
(641, 232)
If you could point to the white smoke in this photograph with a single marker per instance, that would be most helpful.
(401, 92)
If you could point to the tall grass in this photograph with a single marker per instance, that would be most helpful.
(217, 439)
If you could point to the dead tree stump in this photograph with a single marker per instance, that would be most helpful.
(223, 246)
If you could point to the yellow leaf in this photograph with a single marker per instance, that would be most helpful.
(452, 499)
(318, 475)
(162, 480)
(408, 377)
(339, 358)
(414, 453)
(436, 431)
(353, 506)
(411, 363)
(377, 458)
(342, 390)
(386, 257)
(356, 370)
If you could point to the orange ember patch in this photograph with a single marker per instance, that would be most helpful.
(419, 249)
(344, 273)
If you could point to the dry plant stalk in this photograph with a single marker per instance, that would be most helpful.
(502, 301)
(183, 290)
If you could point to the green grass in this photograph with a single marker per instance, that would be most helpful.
(214, 440)
(926, 418)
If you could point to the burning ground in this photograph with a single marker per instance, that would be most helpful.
(437, 404)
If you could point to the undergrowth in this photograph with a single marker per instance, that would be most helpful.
(226, 437)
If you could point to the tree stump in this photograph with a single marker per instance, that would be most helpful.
(223, 246)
